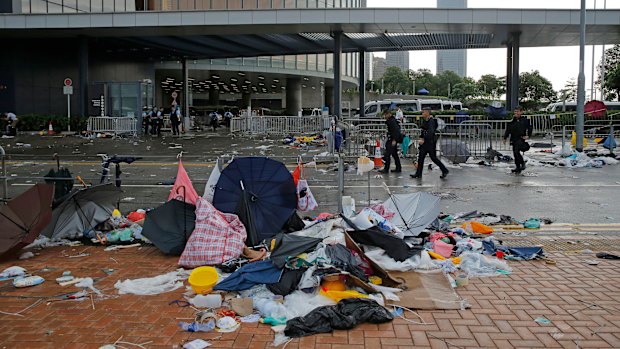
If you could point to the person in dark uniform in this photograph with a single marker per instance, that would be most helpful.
(394, 136)
(428, 144)
(519, 129)
(175, 120)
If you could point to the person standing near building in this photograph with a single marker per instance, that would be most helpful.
(518, 129)
(175, 120)
(399, 115)
(394, 137)
(11, 127)
(160, 121)
(228, 117)
(428, 144)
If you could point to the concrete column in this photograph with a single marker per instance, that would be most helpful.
(185, 106)
(337, 75)
(362, 77)
(214, 96)
(329, 99)
(515, 70)
(246, 100)
(83, 78)
(509, 76)
(293, 96)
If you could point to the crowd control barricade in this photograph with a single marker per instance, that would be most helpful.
(118, 126)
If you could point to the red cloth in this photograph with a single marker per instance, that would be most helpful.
(136, 216)
(297, 174)
(217, 237)
(436, 236)
(442, 248)
(183, 190)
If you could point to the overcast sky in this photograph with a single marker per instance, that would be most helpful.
(558, 64)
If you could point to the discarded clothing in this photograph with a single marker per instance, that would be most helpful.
(288, 282)
(249, 275)
(343, 259)
(153, 285)
(393, 246)
(343, 316)
(526, 253)
(606, 255)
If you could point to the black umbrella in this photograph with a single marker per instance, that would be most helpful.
(62, 179)
(23, 218)
(82, 210)
(170, 225)
(288, 246)
(261, 192)
(454, 150)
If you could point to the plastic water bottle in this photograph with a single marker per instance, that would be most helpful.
(269, 308)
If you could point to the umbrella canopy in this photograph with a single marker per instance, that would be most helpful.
(170, 225)
(423, 91)
(63, 182)
(249, 275)
(82, 210)
(454, 150)
(595, 108)
(23, 218)
(261, 192)
(288, 245)
(414, 212)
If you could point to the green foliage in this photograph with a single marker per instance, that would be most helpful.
(491, 86)
(612, 61)
(612, 82)
(569, 92)
(535, 90)
(39, 122)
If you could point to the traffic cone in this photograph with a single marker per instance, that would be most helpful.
(378, 160)
(50, 129)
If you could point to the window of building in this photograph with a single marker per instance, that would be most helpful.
(289, 62)
(313, 3)
(203, 4)
(234, 4)
(277, 62)
(311, 62)
(85, 6)
(218, 4)
(266, 3)
(329, 62)
(301, 62)
(69, 6)
(250, 4)
(302, 3)
(219, 61)
(108, 5)
(289, 3)
(120, 6)
(277, 3)
(235, 61)
(264, 61)
(320, 62)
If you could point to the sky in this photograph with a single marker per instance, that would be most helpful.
(558, 64)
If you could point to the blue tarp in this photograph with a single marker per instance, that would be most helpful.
(249, 275)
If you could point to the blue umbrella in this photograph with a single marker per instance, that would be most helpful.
(423, 91)
(249, 275)
(261, 192)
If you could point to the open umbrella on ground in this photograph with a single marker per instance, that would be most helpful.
(82, 210)
(414, 212)
(23, 218)
(454, 150)
(170, 225)
(62, 179)
(288, 246)
(261, 192)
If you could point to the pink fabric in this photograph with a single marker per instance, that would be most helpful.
(442, 248)
(217, 237)
(436, 236)
(383, 211)
(183, 187)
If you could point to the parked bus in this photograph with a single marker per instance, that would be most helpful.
(572, 106)
(373, 109)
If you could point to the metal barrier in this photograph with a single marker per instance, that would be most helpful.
(279, 125)
(5, 180)
(592, 129)
(115, 125)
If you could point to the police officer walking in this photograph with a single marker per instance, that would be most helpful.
(428, 144)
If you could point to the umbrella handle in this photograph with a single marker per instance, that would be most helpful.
(242, 186)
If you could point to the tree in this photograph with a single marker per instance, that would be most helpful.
(534, 90)
(395, 80)
(569, 92)
(446, 81)
(492, 86)
(612, 82)
(612, 60)
(465, 90)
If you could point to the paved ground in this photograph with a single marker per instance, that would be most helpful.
(580, 300)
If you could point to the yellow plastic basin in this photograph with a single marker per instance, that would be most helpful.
(202, 279)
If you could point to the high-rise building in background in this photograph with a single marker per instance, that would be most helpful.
(398, 59)
(378, 68)
(368, 66)
(453, 60)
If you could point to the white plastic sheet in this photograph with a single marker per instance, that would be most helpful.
(153, 285)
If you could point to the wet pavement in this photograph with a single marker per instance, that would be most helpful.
(587, 195)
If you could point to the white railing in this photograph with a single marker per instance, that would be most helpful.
(117, 126)
(279, 125)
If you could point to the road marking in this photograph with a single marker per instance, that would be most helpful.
(312, 186)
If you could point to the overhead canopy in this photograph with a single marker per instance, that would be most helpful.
(240, 33)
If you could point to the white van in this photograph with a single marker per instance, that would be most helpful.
(373, 109)
(572, 106)
(434, 104)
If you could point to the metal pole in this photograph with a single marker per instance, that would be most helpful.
(69, 113)
(581, 79)
(509, 76)
(5, 185)
(362, 77)
(337, 75)
(592, 92)
(603, 65)
(340, 182)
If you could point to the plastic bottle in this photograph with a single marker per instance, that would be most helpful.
(197, 326)
(207, 301)
(269, 308)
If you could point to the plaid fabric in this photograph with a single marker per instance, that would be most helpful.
(217, 237)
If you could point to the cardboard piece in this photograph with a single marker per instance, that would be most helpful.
(427, 291)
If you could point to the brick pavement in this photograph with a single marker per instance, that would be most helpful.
(502, 313)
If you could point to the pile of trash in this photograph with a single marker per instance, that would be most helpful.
(302, 141)
(248, 256)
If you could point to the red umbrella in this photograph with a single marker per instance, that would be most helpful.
(596, 109)
(23, 218)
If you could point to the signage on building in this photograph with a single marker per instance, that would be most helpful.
(68, 90)
(68, 82)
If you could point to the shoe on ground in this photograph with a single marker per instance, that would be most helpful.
(385, 170)
(415, 175)
(444, 174)
(516, 170)
(398, 170)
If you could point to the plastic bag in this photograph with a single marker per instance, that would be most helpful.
(300, 303)
(88, 283)
(532, 223)
(153, 285)
(475, 264)
(477, 227)
(364, 165)
(305, 199)
(337, 296)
